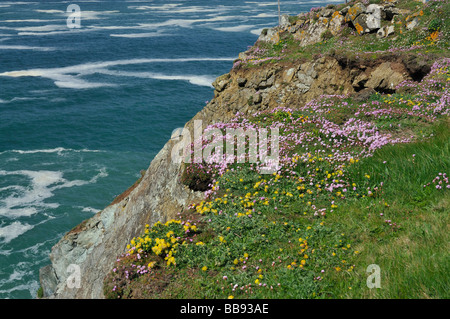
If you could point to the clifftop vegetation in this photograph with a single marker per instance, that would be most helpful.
(363, 172)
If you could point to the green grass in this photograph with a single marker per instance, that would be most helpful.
(411, 249)
(413, 257)
(369, 46)
(286, 235)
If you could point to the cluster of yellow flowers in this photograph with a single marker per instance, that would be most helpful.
(159, 245)
(205, 207)
(303, 248)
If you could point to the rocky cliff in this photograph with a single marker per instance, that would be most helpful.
(259, 80)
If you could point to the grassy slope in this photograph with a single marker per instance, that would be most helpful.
(287, 236)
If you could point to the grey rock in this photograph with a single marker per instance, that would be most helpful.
(355, 11)
(241, 81)
(366, 23)
(48, 280)
(385, 78)
(221, 82)
(284, 21)
(344, 10)
(385, 31)
(412, 24)
(326, 13)
(95, 244)
(269, 35)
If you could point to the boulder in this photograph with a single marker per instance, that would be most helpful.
(368, 21)
(354, 12)
(313, 33)
(386, 77)
(288, 75)
(221, 82)
(336, 22)
(284, 21)
(48, 280)
(385, 31)
(344, 10)
(374, 16)
(364, 23)
(326, 13)
(269, 35)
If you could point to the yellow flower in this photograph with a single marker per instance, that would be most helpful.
(230, 297)
(205, 268)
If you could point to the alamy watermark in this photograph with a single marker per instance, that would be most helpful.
(374, 279)
(74, 278)
(74, 19)
(207, 146)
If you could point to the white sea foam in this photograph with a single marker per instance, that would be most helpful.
(198, 9)
(29, 20)
(43, 28)
(201, 80)
(265, 15)
(13, 230)
(58, 150)
(140, 35)
(164, 7)
(25, 47)
(18, 212)
(238, 28)
(67, 31)
(257, 31)
(263, 4)
(31, 286)
(50, 11)
(183, 23)
(69, 77)
(90, 210)
(85, 14)
(5, 252)
(27, 201)
(70, 82)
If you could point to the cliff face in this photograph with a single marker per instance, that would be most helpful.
(95, 244)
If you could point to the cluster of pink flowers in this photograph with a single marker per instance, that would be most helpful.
(440, 181)
(313, 129)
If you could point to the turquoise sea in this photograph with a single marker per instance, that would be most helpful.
(84, 110)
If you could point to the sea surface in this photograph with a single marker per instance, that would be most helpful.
(84, 110)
